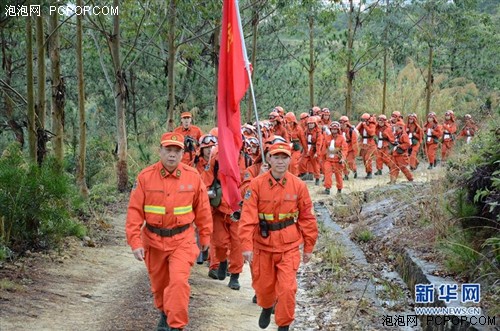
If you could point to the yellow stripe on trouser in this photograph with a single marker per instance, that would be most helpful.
(183, 210)
(160, 210)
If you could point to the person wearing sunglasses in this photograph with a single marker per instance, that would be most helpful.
(167, 198)
(191, 134)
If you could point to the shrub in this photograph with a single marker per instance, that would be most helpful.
(35, 203)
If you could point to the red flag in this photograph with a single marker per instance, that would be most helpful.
(233, 83)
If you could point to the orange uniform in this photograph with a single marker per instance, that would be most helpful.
(314, 139)
(169, 203)
(351, 138)
(469, 130)
(368, 147)
(415, 134)
(449, 131)
(193, 132)
(385, 138)
(299, 145)
(334, 154)
(433, 132)
(288, 206)
(399, 155)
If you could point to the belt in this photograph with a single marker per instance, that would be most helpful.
(280, 225)
(167, 232)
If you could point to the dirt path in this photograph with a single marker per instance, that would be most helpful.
(104, 288)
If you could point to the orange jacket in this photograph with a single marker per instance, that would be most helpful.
(274, 201)
(167, 201)
(194, 132)
(433, 132)
(280, 130)
(403, 143)
(366, 131)
(385, 136)
(314, 140)
(351, 138)
(415, 130)
(449, 130)
(336, 151)
(296, 133)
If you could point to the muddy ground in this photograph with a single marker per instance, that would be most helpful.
(105, 288)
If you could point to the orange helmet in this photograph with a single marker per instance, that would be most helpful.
(382, 117)
(396, 114)
(335, 125)
(343, 119)
(290, 117)
(304, 116)
(207, 140)
(312, 119)
(449, 112)
(316, 110)
(274, 116)
(214, 132)
(252, 142)
(325, 111)
(279, 110)
(467, 116)
(365, 116)
(248, 129)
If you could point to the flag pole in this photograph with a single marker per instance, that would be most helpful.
(247, 68)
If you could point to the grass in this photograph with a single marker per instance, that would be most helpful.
(8, 285)
(362, 234)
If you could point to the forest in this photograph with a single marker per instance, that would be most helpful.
(85, 96)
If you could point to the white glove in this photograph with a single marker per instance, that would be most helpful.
(327, 130)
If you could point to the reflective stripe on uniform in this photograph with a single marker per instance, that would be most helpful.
(183, 210)
(287, 216)
(266, 217)
(160, 210)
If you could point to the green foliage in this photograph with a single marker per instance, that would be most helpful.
(459, 255)
(35, 203)
(363, 234)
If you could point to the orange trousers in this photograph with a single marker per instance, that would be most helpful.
(400, 162)
(413, 156)
(351, 163)
(431, 152)
(312, 162)
(367, 153)
(331, 167)
(169, 273)
(446, 148)
(227, 242)
(383, 157)
(274, 279)
(294, 163)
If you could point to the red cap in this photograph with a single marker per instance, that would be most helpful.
(186, 114)
(280, 148)
(172, 139)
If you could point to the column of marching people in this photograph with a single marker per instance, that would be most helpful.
(275, 200)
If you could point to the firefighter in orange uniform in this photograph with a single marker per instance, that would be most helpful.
(191, 134)
(303, 121)
(399, 154)
(334, 154)
(433, 132)
(469, 130)
(449, 131)
(314, 139)
(415, 134)
(298, 140)
(277, 125)
(366, 129)
(167, 198)
(385, 137)
(276, 219)
(351, 138)
(325, 117)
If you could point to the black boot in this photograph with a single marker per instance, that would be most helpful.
(254, 299)
(339, 190)
(346, 177)
(162, 323)
(221, 272)
(265, 317)
(326, 191)
(430, 166)
(233, 282)
(284, 328)
(212, 273)
(378, 173)
(316, 182)
(355, 174)
(368, 175)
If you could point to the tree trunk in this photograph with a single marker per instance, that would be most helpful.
(58, 91)
(40, 106)
(384, 89)
(170, 65)
(349, 71)
(311, 60)
(255, 25)
(121, 94)
(429, 69)
(82, 146)
(30, 90)
(215, 58)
